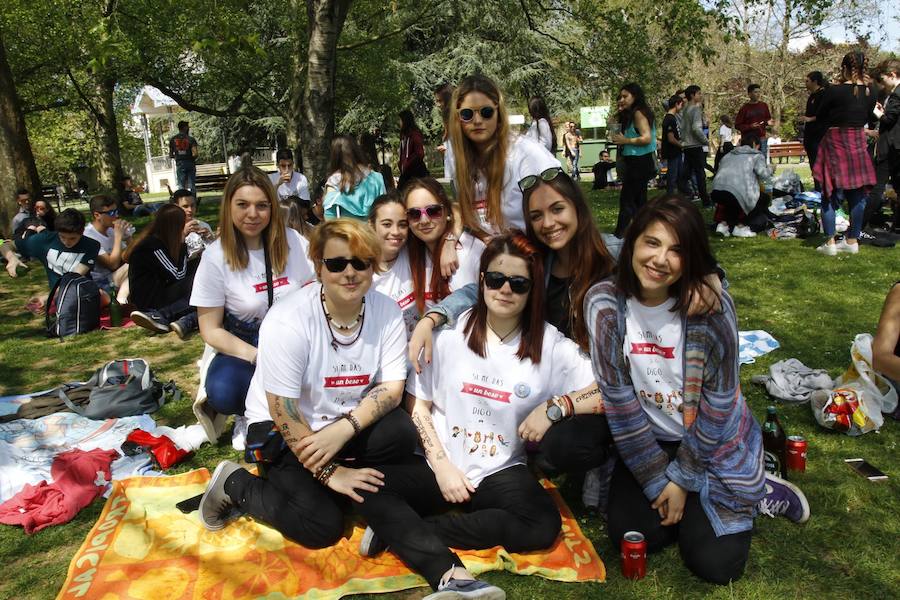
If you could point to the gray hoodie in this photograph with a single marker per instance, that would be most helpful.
(741, 171)
(692, 127)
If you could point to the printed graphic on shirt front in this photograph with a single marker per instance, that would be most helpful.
(62, 262)
(344, 386)
(655, 359)
(489, 416)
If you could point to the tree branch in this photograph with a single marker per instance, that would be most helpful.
(58, 103)
(389, 34)
(533, 27)
(97, 114)
(229, 111)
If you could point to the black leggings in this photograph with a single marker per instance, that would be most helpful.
(299, 507)
(577, 444)
(716, 559)
(409, 514)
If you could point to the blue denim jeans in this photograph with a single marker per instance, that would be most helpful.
(227, 382)
(576, 156)
(675, 166)
(856, 198)
(186, 176)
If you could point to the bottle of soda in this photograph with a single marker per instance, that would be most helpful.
(115, 309)
(774, 442)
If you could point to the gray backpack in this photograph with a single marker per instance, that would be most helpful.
(121, 388)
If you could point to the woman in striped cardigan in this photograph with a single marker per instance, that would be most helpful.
(690, 467)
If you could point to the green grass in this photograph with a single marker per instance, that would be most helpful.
(813, 305)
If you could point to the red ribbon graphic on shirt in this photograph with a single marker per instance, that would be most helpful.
(346, 381)
(651, 348)
(276, 283)
(485, 392)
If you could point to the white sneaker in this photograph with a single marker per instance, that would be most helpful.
(843, 246)
(828, 249)
(722, 229)
(742, 231)
(239, 433)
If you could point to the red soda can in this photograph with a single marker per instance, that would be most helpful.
(795, 448)
(634, 555)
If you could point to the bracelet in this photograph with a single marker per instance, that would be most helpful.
(432, 319)
(325, 473)
(450, 237)
(357, 427)
(569, 408)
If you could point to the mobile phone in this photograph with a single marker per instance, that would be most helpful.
(863, 468)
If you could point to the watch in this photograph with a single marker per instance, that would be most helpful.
(554, 412)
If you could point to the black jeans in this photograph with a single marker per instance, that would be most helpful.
(639, 170)
(409, 514)
(715, 559)
(577, 444)
(695, 166)
(299, 507)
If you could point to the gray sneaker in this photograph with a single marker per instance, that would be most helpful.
(455, 589)
(216, 506)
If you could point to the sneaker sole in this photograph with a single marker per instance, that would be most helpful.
(178, 330)
(487, 594)
(146, 322)
(803, 501)
(365, 544)
(218, 524)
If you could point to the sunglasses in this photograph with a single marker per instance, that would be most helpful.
(526, 183)
(339, 263)
(494, 280)
(114, 212)
(433, 211)
(467, 114)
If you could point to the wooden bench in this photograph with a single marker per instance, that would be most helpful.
(50, 195)
(786, 150)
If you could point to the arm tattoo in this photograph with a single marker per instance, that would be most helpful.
(292, 409)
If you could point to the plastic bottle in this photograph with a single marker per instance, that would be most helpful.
(115, 309)
(774, 441)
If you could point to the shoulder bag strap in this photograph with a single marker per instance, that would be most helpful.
(269, 291)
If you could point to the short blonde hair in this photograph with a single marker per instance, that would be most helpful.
(358, 235)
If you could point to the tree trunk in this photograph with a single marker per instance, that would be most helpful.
(110, 159)
(17, 168)
(293, 119)
(326, 20)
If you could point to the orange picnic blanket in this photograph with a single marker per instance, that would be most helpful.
(143, 548)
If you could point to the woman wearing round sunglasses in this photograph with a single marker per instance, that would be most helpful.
(231, 291)
(325, 396)
(474, 407)
(690, 453)
(488, 161)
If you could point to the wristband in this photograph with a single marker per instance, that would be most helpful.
(325, 473)
(450, 237)
(432, 319)
(568, 407)
(353, 421)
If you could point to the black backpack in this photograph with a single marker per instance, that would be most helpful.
(77, 306)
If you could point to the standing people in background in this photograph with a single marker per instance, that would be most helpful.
(112, 233)
(488, 159)
(197, 234)
(160, 275)
(638, 141)
(725, 143)
(231, 289)
(754, 117)
(888, 114)
(603, 171)
(352, 185)
(443, 95)
(412, 150)
(736, 187)
(183, 149)
(541, 128)
(131, 204)
(813, 131)
(693, 140)
(572, 140)
(843, 163)
(23, 201)
(671, 144)
(287, 181)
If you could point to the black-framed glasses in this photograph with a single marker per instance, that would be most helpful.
(339, 263)
(529, 181)
(433, 211)
(494, 280)
(467, 114)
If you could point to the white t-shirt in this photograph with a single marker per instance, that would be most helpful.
(524, 157)
(725, 134)
(654, 347)
(244, 293)
(478, 403)
(296, 357)
(297, 186)
(540, 132)
(99, 272)
(468, 250)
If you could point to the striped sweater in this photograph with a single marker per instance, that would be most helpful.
(720, 456)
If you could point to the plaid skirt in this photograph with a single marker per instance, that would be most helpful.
(843, 161)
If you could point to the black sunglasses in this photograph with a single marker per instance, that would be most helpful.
(494, 280)
(339, 263)
(467, 114)
(432, 210)
(528, 182)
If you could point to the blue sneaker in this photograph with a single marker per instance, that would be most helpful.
(454, 589)
(784, 498)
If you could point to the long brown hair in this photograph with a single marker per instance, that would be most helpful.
(513, 243)
(686, 223)
(274, 236)
(589, 259)
(168, 227)
(418, 250)
(467, 160)
(348, 159)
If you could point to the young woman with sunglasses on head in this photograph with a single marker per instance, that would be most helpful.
(324, 399)
(493, 375)
(690, 452)
(488, 160)
(255, 261)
